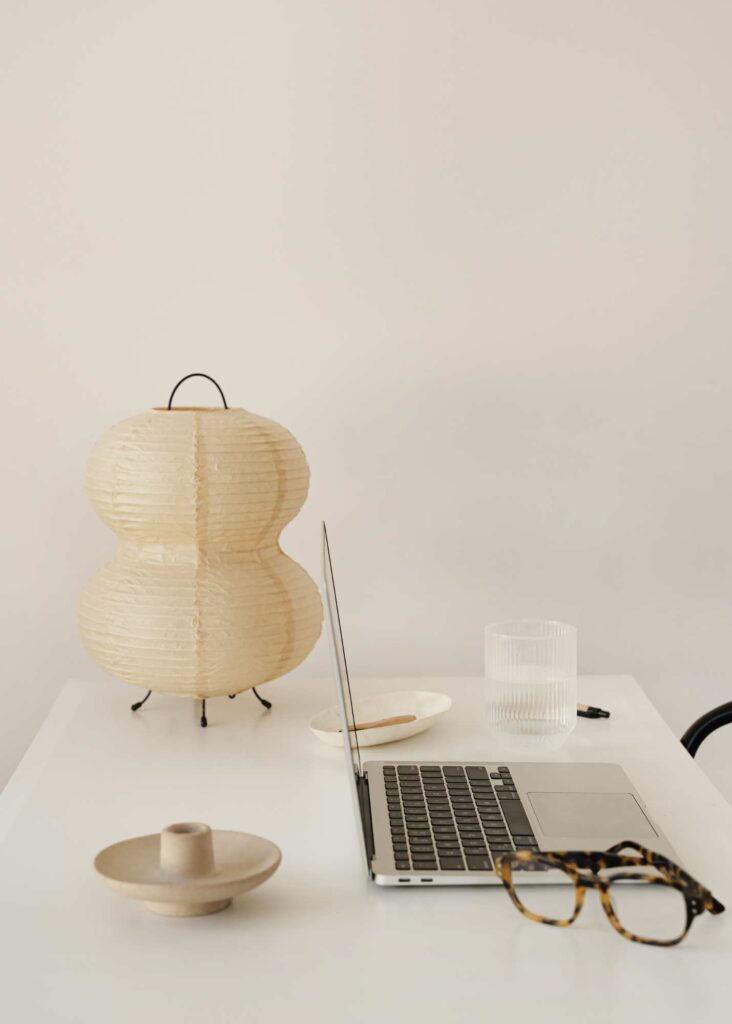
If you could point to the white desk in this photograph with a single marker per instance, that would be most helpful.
(318, 942)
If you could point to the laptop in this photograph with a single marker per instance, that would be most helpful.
(443, 822)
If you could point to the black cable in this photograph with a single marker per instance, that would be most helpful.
(138, 705)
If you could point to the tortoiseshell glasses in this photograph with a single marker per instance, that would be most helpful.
(662, 916)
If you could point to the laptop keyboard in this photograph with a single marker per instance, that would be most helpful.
(453, 817)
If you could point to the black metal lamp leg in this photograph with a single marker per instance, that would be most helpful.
(204, 720)
(265, 703)
(138, 705)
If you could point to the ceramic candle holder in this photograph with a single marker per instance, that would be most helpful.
(188, 870)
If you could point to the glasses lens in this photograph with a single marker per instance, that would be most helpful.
(550, 894)
(649, 910)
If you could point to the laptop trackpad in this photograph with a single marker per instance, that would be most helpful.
(591, 815)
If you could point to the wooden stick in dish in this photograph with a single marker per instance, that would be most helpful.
(395, 720)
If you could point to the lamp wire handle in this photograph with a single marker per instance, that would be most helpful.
(188, 377)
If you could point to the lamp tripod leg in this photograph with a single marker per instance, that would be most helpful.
(204, 721)
(138, 705)
(265, 703)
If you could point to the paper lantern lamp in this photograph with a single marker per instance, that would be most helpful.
(200, 600)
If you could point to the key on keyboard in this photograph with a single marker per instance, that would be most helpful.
(453, 814)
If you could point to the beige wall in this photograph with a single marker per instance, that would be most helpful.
(475, 255)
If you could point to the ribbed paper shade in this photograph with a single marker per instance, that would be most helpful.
(199, 600)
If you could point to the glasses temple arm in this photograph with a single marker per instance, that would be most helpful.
(713, 905)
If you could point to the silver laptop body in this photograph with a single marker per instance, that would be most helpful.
(443, 822)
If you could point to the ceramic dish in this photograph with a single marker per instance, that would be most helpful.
(426, 708)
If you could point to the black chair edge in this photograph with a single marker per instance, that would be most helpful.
(705, 726)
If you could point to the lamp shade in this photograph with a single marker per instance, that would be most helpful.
(200, 600)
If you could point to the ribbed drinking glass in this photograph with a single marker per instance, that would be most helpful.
(531, 680)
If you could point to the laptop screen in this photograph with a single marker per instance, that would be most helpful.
(340, 665)
(345, 699)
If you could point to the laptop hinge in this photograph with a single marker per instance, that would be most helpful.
(364, 806)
